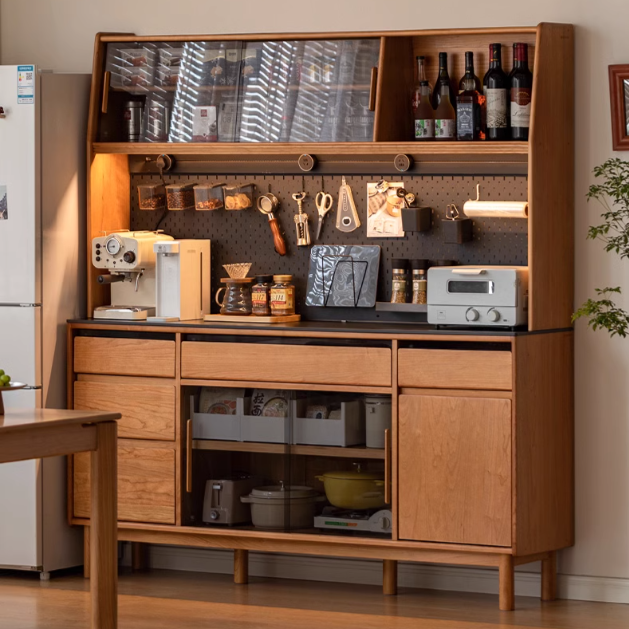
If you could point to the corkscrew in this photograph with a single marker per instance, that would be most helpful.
(301, 221)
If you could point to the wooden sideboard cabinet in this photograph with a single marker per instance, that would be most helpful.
(478, 463)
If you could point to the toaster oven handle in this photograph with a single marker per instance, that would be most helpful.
(189, 456)
(468, 271)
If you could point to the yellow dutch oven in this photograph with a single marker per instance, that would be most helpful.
(354, 490)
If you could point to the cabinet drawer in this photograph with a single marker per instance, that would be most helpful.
(368, 366)
(148, 411)
(455, 369)
(146, 485)
(124, 357)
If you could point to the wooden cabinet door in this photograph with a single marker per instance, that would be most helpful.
(146, 484)
(455, 469)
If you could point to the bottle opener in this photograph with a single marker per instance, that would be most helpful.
(346, 216)
(301, 221)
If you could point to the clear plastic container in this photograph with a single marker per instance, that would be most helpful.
(180, 196)
(239, 197)
(152, 196)
(208, 196)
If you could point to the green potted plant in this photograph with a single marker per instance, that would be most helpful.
(612, 191)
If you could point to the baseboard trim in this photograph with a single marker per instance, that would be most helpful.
(410, 575)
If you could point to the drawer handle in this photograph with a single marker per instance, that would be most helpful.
(106, 83)
(189, 456)
(387, 466)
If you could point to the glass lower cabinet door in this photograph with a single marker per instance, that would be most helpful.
(289, 461)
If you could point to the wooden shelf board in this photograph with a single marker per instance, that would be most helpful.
(296, 386)
(281, 448)
(421, 151)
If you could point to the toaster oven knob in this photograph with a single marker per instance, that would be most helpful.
(214, 514)
(493, 315)
(472, 314)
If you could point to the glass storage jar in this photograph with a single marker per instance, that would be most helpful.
(282, 295)
(261, 295)
(151, 196)
(398, 284)
(208, 196)
(420, 281)
(180, 196)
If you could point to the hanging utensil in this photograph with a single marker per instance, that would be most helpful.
(301, 221)
(324, 205)
(267, 204)
(346, 217)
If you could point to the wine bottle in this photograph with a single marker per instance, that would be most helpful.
(445, 116)
(469, 81)
(443, 79)
(421, 77)
(521, 86)
(424, 115)
(496, 86)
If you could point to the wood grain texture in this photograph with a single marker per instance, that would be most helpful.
(286, 363)
(148, 410)
(544, 443)
(108, 210)
(241, 567)
(87, 549)
(103, 540)
(193, 600)
(454, 369)
(455, 470)
(551, 180)
(393, 120)
(506, 584)
(394, 440)
(146, 484)
(296, 386)
(389, 577)
(549, 577)
(122, 356)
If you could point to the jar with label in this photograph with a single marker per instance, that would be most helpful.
(398, 284)
(261, 295)
(420, 281)
(282, 295)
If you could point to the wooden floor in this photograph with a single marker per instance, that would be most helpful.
(185, 600)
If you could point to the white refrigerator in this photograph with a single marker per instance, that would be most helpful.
(43, 155)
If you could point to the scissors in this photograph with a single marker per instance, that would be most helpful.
(324, 205)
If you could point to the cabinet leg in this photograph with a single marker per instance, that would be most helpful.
(86, 552)
(506, 578)
(389, 577)
(139, 556)
(549, 577)
(241, 567)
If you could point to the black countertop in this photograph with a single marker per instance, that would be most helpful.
(338, 327)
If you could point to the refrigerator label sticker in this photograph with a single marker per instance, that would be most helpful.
(4, 205)
(25, 85)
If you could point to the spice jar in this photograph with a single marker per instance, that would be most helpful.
(282, 295)
(420, 281)
(261, 295)
(398, 288)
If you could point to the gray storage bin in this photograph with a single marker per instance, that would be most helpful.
(215, 426)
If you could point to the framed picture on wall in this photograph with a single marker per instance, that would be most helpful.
(619, 99)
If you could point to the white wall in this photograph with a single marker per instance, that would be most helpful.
(58, 34)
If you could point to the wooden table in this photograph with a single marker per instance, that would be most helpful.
(39, 433)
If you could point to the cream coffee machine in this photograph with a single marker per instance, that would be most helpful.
(130, 259)
(183, 280)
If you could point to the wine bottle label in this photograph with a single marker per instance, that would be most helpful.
(520, 107)
(465, 119)
(496, 108)
(424, 129)
(445, 128)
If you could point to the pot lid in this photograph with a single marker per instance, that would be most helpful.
(283, 491)
(353, 475)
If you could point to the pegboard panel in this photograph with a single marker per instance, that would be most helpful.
(244, 236)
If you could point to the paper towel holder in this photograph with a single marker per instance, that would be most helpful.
(495, 209)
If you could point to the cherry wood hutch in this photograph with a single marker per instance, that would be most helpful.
(479, 460)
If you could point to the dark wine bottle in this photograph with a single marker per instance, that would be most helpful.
(469, 81)
(496, 88)
(521, 87)
(442, 79)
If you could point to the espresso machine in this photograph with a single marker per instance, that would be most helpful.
(129, 259)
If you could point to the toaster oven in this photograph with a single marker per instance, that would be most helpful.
(495, 296)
